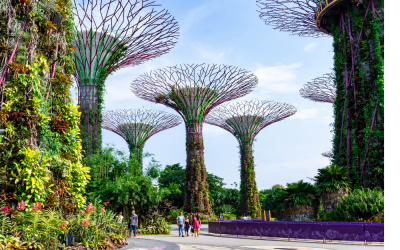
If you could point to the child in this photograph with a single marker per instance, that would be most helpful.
(196, 226)
(187, 226)
(120, 217)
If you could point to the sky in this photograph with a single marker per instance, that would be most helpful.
(230, 32)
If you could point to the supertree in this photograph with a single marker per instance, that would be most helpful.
(321, 89)
(112, 35)
(245, 120)
(358, 34)
(193, 90)
(328, 154)
(137, 126)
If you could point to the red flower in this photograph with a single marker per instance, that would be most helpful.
(5, 210)
(36, 206)
(62, 226)
(21, 205)
(85, 222)
(106, 203)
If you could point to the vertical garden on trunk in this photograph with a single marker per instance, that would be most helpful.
(42, 160)
(358, 141)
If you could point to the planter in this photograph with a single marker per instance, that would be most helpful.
(69, 239)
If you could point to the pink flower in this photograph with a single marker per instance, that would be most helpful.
(21, 205)
(85, 222)
(106, 203)
(5, 210)
(36, 206)
(62, 226)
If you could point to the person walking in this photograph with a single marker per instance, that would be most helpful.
(179, 221)
(134, 223)
(187, 226)
(196, 226)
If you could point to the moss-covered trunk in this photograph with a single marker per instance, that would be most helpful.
(249, 198)
(358, 141)
(137, 150)
(196, 186)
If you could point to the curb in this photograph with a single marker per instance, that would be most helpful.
(139, 243)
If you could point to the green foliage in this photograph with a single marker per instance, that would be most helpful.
(267, 198)
(277, 186)
(332, 178)
(174, 213)
(42, 145)
(116, 178)
(157, 226)
(295, 195)
(93, 228)
(228, 216)
(225, 209)
(228, 196)
(359, 205)
(354, 107)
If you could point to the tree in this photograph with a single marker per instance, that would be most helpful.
(333, 183)
(173, 179)
(277, 186)
(117, 178)
(297, 201)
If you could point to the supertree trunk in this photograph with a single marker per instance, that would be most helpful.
(358, 63)
(249, 198)
(138, 151)
(196, 187)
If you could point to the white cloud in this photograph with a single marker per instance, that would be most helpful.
(305, 114)
(276, 79)
(309, 47)
(210, 55)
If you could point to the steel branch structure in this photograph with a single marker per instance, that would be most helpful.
(245, 120)
(294, 16)
(328, 154)
(112, 35)
(357, 28)
(137, 126)
(193, 90)
(321, 89)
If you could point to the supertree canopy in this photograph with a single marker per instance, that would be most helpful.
(321, 89)
(193, 90)
(137, 126)
(112, 35)
(358, 34)
(245, 120)
(328, 154)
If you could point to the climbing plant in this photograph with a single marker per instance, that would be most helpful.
(358, 140)
(42, 159)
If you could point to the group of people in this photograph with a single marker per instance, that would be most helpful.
(190, 222)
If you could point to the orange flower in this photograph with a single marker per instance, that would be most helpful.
(89, 209)
(103, 210)
(85, 222)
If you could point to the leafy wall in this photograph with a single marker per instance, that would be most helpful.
(358, 141)
(41, 158)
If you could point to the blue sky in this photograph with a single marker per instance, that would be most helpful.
(230, 32)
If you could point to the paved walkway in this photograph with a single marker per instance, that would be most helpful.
(141, 243)
(215, 242)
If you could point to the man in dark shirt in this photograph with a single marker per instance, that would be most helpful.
(133, 224)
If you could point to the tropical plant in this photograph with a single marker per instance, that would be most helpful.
(225, 209)
(333, 183)
(229, 216)
(296, 202)
(360, 204)
(156, 226)
(276, 186)
(174, 213)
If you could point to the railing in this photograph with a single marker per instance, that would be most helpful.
(344, 231)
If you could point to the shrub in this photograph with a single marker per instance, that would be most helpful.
(228, 216)
(157, 226)
(174, 213)
(360, 205)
